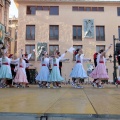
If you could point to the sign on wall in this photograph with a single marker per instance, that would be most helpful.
(2, 32)
(41, 47)
(88, 28)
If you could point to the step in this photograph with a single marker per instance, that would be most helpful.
(22, 116)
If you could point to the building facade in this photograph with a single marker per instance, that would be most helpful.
(4, 12)
(62, 24)
(4, 20)
(13, 30)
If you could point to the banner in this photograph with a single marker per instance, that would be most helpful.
(2, 32)
(88, 28)
(41, 47)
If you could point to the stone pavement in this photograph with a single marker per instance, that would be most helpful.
(64, 102)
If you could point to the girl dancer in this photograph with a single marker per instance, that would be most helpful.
(12, 65)
(55, 76)
(43, 75)
(21, 77)
(78, 70)
(100, 72)
(5, 70)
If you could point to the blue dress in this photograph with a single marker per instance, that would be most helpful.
(5, 70)
(55, 73)
(43, 74)
(78, 70)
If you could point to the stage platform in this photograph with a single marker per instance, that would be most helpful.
(67, 103)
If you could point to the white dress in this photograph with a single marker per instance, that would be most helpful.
(78, 70)
(43, 74)
(5, 70)
(55, 73)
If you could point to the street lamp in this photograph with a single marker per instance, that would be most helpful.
(114, 54)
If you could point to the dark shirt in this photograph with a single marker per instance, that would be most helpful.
(95, 55)
(26, 62)
(12, 66)
(60, 64)
(118, 57)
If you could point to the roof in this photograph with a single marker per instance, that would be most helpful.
(67, 0)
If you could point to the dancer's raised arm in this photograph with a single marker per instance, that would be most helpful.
(104, 52)
(62, 56)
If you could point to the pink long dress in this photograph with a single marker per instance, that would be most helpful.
(100, 71)
(21, 73)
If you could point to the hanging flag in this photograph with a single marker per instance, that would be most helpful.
(41, 47)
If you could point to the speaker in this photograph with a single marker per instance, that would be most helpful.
(117, 48)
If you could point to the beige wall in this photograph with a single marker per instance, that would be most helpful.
(13, 27)
(66, 19)
(5, 13)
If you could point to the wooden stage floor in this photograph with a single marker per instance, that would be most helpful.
(66, 100)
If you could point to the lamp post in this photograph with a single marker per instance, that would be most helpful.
(114, 54)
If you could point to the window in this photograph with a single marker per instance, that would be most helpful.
(31, 10)
(30, 32)
(75, 8)
(94, 8)
(54, 10)
(39, 8)
(29, 49)
(53, 32)
(100, 33)
(81, 8)
(100, 47)
(45, 7)
(118, 11)
(76, 47)
(88, 9)
(119, 32)
(77, 32)
(100, 8)
(52, 48)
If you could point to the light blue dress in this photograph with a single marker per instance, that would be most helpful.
(5, 70)
(43, 74)
(55, 73)
(78, 70)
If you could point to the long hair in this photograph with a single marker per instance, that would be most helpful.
(101, 51)
(76, 51)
